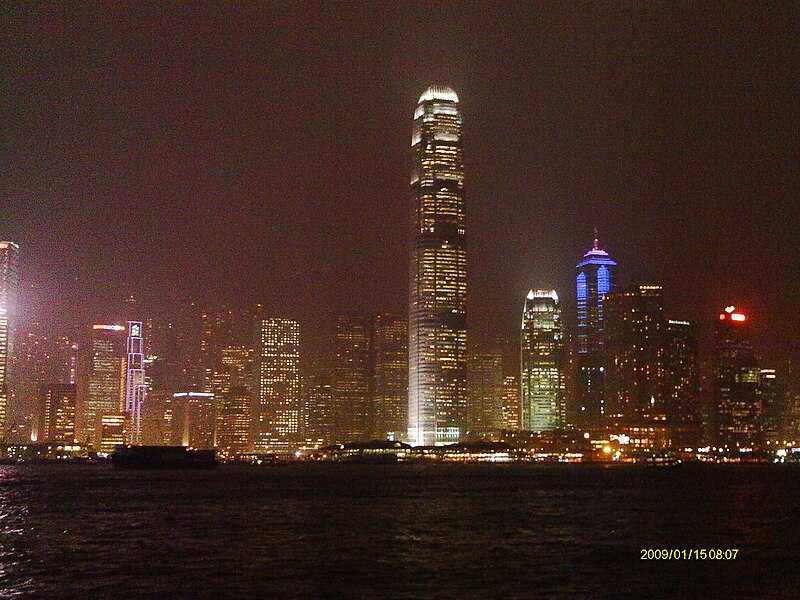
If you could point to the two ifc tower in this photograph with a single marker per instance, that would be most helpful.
(437, 343)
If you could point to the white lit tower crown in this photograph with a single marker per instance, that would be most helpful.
(437, 344)
(542, 362)
(9, 282)
(135, 386)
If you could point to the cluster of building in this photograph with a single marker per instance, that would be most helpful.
(622, 376)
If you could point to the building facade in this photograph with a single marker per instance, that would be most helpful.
(105, 385)
(542, 362)
(437, 370)
(635, 374)
(9, 285)
(390, 376)
(352, 379)
(57, 414)
(737, 378)
(279, 395)
(485, 390)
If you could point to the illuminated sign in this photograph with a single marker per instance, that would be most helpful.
(136, 330)
(738, 317)
(108, 327)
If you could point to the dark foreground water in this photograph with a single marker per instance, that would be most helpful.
(398, 531)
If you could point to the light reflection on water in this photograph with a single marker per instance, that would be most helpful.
(405, 531)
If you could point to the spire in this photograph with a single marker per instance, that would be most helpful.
(596, 241)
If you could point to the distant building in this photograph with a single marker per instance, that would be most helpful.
(135, 386)
(635, 375)
(485, 390)
(774, 404)
(683, 406)
(9, 285)
(279, 395)
(437, 344)
(596, 277)
(512, 409)
(352, 382)
(105, 380)
(201, 417)
(234, 422)
(390, 376)
(318, 393)
(111, 430)
(542, 362)
(737, 379)
(57, 414)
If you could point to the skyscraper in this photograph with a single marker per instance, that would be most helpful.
(596, 277)
(542, 362)
(57, 413)
(135, 387)
(737, 377)
(485, 390)
(352, 393)
(9, 283)
(279, 399)
(106, 379)
(635, 376)
(683, 383)
(437, 342)
(234, 421)
(390, 387)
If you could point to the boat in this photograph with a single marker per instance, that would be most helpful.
(163, 457)
(662, 460)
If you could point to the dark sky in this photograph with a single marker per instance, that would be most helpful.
(261, 152)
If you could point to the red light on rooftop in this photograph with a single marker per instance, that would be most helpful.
(722, 317)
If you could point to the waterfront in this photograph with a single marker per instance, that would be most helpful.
(397, 531)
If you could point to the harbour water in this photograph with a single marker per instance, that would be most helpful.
(398, 531)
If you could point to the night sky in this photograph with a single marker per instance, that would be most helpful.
(248, 152)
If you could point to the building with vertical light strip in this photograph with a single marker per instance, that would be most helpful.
(542, 362)
(9, 283)
(437, 343)
(135, 386)
(596, 277)
(279, 397)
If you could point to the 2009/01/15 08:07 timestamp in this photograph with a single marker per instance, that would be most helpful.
(688, 554)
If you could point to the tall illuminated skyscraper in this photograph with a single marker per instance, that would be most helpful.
(279, 398)
(596, 277)
(635, 376)
(390, 345)
(737, 378)
(135, 386)
(106, 379)
(437, 343)
(9, 283)
(542, 362)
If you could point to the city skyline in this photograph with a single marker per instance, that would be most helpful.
(649, 139)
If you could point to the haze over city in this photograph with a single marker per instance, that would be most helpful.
(244, 154)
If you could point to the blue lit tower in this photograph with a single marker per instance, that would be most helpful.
(437, 343)
(596, 277)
